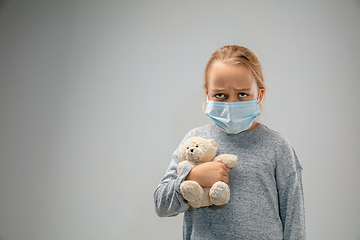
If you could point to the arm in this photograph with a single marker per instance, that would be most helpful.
(167, 197)
(207, 174)
(181, 165)
(291, 200)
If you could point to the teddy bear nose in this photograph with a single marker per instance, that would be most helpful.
(192, 150)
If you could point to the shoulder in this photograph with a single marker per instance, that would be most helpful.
(270, 137)
(282, 148)
(203, 131)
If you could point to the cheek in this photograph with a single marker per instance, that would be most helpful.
(210, 94)
(254, 90)
(252, 95)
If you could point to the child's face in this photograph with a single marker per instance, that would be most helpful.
(228, 83)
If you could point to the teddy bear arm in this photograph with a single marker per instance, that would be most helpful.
(182, 164)
(229, 160)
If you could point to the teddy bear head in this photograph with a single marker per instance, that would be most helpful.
(198, 150)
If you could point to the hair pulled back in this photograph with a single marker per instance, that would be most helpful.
(236, 55)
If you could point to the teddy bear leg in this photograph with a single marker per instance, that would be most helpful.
(219, 193)
(192, 191)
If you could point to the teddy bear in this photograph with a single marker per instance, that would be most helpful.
(197, 150)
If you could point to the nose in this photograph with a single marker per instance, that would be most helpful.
(232, 98)
(192, 150)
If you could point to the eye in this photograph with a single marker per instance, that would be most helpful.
(187, 148)
(242, 95)
(197, 146)
(220, 95)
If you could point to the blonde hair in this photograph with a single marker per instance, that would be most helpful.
(236, 55)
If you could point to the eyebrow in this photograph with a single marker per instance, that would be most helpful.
(217, 89)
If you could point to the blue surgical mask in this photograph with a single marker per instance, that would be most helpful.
(233, 117)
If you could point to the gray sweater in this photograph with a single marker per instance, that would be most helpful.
(266, 200)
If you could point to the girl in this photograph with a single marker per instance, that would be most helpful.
(266, 199)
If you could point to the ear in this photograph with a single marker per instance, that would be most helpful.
(181, 154)
(213, 143)
(261, 94)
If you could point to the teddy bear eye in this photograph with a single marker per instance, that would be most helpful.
(187, 147)
(197, 146)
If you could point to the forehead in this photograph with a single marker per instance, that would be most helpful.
(222, 75)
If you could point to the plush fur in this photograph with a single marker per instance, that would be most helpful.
(197, 150)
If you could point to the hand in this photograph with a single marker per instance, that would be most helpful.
(206, 174)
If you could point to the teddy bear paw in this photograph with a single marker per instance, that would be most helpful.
(191, 191)
(219, 193)
(229, 160)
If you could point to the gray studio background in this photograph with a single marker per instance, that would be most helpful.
(96, 95)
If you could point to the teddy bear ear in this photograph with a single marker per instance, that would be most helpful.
(212, 141)
(181, 154)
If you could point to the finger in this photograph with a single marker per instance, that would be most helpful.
(226, 168)
(225, 179)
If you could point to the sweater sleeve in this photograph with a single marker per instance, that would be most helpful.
(167, 197)
(291, 198)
